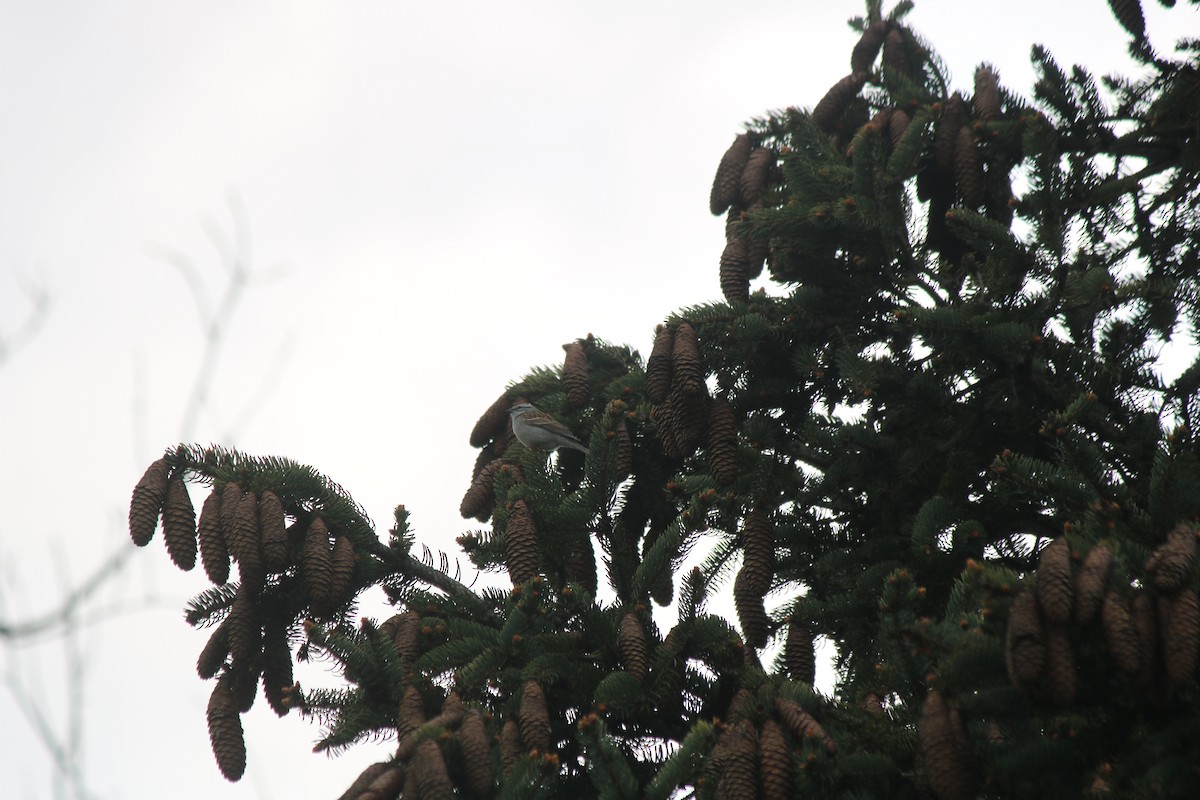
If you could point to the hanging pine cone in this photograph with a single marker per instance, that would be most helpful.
(179, 525)
(757, 175)
(754, 579)
(898, 124)
(802, 724)
(277, 669)
(273, 527)
(1129, 14)
(774, 762)
(317, 566)
(687, 373)
(968, 168)
(1170, 565)
(147, 502)
(481, 494)
(242, 534)
(736, 762)
(405, 632)
(377, 781)
(658, 366)
(945, 138)
(511, 746)
(1055, 585)
(945, 751)
(493, 422)
(632, 646)
(828, 112)
(722, 441)
(575, 375)
(726, 187)
(520, 544)
(1025, 642)
(429, 771)
(866, 49)
(987, 94)
(799, 653)
(581, 562)
(410, 713)
(895, 52)
(1061, 675)
(476, 754)
(534, 718)
(342, 562)
(1120, 633)
(245, 632)
(688, 417)
(735, 271)
(664, 418)
(214, 555)
(624, 460)
(751, 613)
(1181, 637)
(225, 732)
(212, 657)
(1091, 582)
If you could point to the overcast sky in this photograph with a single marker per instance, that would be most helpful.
(436, 196)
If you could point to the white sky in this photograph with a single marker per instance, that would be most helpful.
(438, 196)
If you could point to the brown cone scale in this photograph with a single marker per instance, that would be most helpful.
(575, 375)
(658, 366)
(147, 502)
(214, 554)
(727, 183)
(179, 525)
(945, 754)
(534, 718)
(520, 544)
(225, 732)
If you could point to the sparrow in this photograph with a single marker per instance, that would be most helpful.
(537, 430)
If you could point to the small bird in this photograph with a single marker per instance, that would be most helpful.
(537, 430)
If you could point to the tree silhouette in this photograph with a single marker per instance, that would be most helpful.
(939, 438)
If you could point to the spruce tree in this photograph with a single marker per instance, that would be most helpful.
(939, 438)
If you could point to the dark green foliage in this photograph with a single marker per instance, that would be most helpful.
(933, 392)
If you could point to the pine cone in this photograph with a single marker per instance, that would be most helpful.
(481, 495)
(987, 94)
(212, 657)
(658, 366)
(317, 566)
(799, 654)
(581, 562)
(968, 169)
(1091, 582)
(945, 138)
(735, 271)
(493, 423)
(244, 630)
(179, 525)
(1181, 637)
(624, 464)
(688, 416)
(1170, 564)
(242, 534)
(751, 613)
(895, 52)
(867, 48)
(828, 112)
(405, 632)
(476, 752)
(277, 669)
(534, 718)
(342, 562)
(1055, 585)
(687, 368)
(726, 186)
(722, 442)
(774, 762)
(802, 724)
(737, 763)
(758, 543)
(1129, 14)
(511, 746)
(214, 555)
(410, 714)
(429, 770)
(664, 419)
(1062, 674)
(632, 646)
(147, 502)
(1120, 633)
(1025, 642)
(273, 527)
(362, 784)
(898, 124)
(757, 174)
(945, 751)
(520, 544)
(575, 375)
(225, 732)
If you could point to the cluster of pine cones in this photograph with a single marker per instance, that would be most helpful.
(251, 529)
(1152, 633)
(753, 757)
